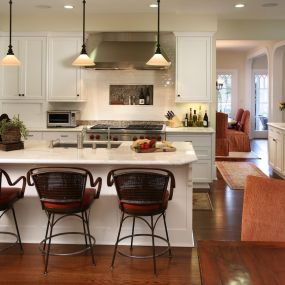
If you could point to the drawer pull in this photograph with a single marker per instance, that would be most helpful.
(64, 136)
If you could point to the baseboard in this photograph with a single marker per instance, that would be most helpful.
(199, 185)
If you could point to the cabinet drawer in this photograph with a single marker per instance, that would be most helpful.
(202, 171)
(63, 136)
(203, 152)
(35, 136)
(196, 140)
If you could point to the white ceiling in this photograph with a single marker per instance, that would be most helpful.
(223, 9)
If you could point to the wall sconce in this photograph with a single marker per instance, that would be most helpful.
(219, 85)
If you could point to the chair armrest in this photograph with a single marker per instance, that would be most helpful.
(99, 183)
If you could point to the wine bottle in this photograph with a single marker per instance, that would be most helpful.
(190, 118)
(186, 120)
(194, 119)
(147, 97)
(205, 120)
(141, 98)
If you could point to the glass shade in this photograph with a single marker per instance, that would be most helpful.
(158, 60)
(11, 60)
(83, 60)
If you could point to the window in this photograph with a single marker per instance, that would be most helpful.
(224, 93)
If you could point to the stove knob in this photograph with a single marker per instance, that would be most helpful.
(153, 138)
(91, 137)
(141, 137)
(115, 139)
(135, 138)
(97, 137)
(158, 138)
(147, 137)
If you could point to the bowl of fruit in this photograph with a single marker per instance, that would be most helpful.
(144, 145)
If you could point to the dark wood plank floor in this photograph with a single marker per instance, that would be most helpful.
(223, 223)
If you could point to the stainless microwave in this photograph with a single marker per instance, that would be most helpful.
(63, 119)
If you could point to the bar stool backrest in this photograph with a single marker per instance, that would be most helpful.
(141, 186)
(59, 185)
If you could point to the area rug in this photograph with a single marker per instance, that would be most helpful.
(235, 172)
(240, 155)
(201, 201)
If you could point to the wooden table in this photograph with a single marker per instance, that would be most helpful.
(241, 263)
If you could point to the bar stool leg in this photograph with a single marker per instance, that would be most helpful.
(167, 237)
(117, 241)
(84, 228)
(133, 230)
(49, 242)
(89, 237)
(47, 229)
(153, 245)
(17, 229)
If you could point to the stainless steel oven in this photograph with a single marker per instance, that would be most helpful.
(63, 119)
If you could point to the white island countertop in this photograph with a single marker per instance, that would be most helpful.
(185, 130)
(39, 152)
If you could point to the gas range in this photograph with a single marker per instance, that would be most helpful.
(131, 132)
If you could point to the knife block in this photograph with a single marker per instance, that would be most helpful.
(175, 123)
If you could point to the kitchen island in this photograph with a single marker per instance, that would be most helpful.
(105, 215)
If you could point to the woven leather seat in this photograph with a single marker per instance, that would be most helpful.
(62, 192)
(8, 196)
(143, 194)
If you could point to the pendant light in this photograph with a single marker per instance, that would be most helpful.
(158, 59)
(83, 59)
(10, 58)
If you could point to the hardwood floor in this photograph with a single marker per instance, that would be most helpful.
(223, 223)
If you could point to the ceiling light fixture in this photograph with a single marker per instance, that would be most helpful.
(153, 5)
(239, 5)
(83, 59)
(10, 58)
(68, 6)
(158, 59)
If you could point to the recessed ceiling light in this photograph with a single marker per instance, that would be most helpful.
(153, 5)
(268, 5)
(239, 5)
(68, 6)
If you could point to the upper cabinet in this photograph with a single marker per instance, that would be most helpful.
(28, 81)
(193, 67)
(65, 80)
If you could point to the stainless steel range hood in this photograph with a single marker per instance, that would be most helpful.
(122, 51)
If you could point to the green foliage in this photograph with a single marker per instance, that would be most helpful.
(13, 123)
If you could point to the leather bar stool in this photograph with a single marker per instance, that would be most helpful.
(62, 192)
(8, 196)
(143, 194)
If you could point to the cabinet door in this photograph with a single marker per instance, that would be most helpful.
(61, 135)
(28, 80)
(279, 151)
(64, 79)
(193, 68)
(272, 149)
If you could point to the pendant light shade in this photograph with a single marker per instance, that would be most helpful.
(83, 59)
(10, 59)
(158, 59)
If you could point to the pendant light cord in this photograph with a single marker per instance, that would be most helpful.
(83, 51)
(10, 48)
(158, 30)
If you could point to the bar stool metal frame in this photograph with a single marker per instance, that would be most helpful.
(142, 192)
(8, 196)
(62, 192)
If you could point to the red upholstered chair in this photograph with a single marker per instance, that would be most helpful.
(62, 192)
(239, 138)
(263, 217)
(222, 144)
(142, 193)
(8, 196)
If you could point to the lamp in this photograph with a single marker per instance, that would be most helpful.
(158, 59)
(10, 58)
(219, 85)
(83, 59)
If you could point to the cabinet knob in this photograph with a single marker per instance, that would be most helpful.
(178, 95)
(77, 95)
(274, 140)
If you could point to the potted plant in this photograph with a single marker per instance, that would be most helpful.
(11, 130)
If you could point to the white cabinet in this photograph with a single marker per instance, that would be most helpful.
(202, 144)
(28, 81)
(193, 67)
(62, 136)
(35, 135)
(65, 80)
(276, 145)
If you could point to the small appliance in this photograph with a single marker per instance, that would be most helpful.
(63, 119)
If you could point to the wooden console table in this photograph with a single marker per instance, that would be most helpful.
(237, 262)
